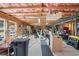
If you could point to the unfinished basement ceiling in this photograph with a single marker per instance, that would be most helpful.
(25, 11)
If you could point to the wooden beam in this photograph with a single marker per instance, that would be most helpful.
(16, 7)
(12, 18)
(43, 12)
(39, 6)
(30, 13)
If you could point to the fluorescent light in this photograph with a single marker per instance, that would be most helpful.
(39, 20)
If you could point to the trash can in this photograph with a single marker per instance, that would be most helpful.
(20, 47)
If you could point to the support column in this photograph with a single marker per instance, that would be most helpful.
(43, 21)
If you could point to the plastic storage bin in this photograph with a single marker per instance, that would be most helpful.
(20, 47)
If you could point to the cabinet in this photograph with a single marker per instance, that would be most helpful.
(56, 44)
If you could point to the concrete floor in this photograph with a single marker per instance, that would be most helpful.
(45, 49)
(67, 50)
(34, 47)
(38, 47)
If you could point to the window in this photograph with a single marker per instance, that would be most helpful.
(2, 33)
